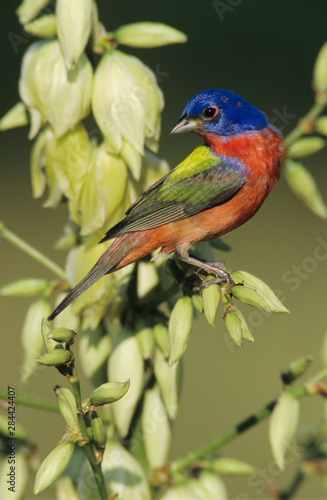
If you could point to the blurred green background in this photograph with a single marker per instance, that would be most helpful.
(265, 52)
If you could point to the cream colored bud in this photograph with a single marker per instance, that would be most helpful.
(109, 393)
(250, 296)
(118, 467)
(56, 357)
(32, 340)
(233, 324)
(169, 381)
(283, 424)
(246, 334)
(102, 200)
(231, 466)
(189, 489)
(213, 484)
(62, 335)
(67, 407)
(99, 436)
(56, 97)
(43, 26)
(161, 335)
(147, 278)
(21, 470)
(148, 35)
(261, 288)
(210, 301)
(29, 9)
(305, 146)
(304, 186)
(94, 347)
(126, 101)
(53, 465)
(180, 325)
(67, 161)
(126, 362)
(65, 488)
(74, 23)
(25, 287)
(321, 125)
(46, 329)
(156, 428)
(145, 338)
(15, 117)
(320, 74)
(197, 302)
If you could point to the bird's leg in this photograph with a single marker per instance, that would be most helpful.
(211, 267)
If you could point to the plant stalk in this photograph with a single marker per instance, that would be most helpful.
(31, 251)
(259, 416)
(88, 450)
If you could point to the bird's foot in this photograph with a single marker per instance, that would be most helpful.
(216, 268)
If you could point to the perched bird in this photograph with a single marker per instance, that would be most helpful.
(217, 188)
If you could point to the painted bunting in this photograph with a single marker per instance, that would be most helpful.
(217, 188)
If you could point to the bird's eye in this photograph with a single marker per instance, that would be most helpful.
(210, 112)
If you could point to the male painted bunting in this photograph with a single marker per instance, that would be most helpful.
(217, 188)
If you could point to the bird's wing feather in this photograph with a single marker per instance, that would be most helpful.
(200, 182)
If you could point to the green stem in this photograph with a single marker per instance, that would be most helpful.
(312, 114)
(87, 448)
(31, 251)
(294, 485)
(193, 456)
(31, 401)
(264, 412)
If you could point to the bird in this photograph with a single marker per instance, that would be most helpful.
(217, 188)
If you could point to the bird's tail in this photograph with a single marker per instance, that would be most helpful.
(122, 252)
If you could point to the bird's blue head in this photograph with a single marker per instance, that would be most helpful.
(219, 112)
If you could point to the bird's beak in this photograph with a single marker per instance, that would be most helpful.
(185, 124)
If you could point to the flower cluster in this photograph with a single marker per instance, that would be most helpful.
(98, 173)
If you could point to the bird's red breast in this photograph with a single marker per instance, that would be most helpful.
(261, 153)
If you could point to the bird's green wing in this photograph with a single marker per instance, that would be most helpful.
(201, 181)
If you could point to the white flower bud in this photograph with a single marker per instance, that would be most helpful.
(283, 424)
(126, 101)
(93, 351)
(126, 362)
(169, 381)
(29, 9)
(15, 117)
(53, 465)
(148, 35)
(180, 325)
(103, 201)
(55, 96)
(156, 429)
(43, 27)
(118, 467)
(31, 335)
(74, 22)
